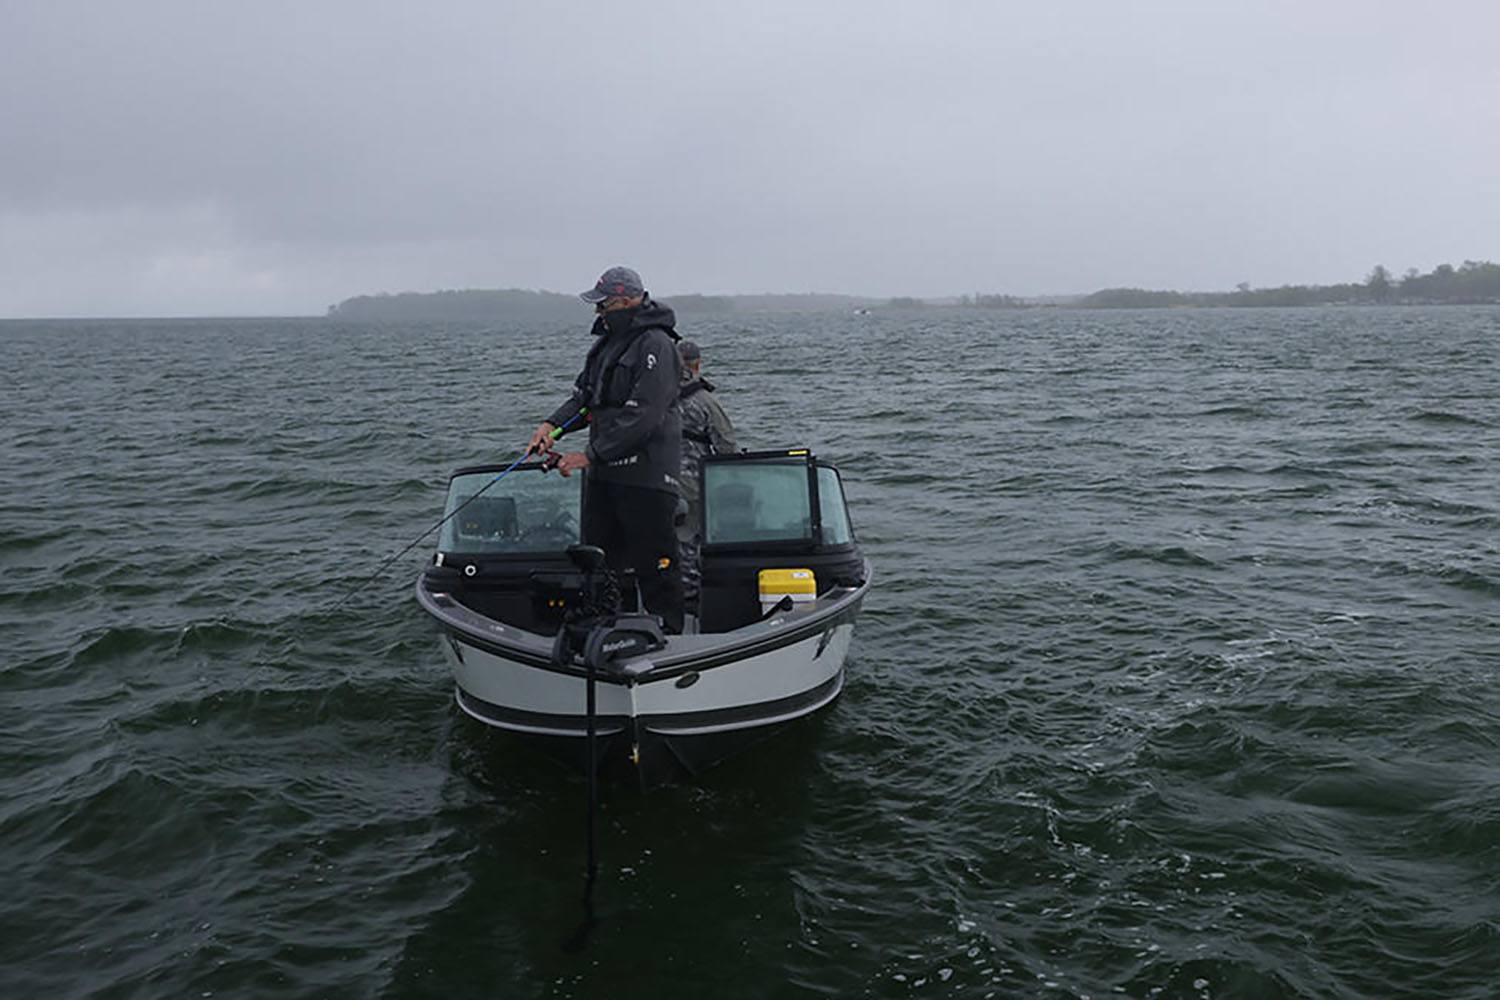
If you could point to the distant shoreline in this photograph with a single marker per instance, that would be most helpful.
(1471, 283)
(925, 305)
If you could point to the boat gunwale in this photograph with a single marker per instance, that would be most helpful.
(528, 650)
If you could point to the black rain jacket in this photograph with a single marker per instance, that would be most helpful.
(629, 383)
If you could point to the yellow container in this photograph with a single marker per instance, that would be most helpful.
(801, 585)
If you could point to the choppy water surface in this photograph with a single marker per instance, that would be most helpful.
(1179, 677)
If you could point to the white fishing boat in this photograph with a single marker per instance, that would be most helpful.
(537, 629)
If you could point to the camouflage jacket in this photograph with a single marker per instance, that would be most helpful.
(706, 430)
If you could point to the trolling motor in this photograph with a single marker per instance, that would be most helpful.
(596, 632)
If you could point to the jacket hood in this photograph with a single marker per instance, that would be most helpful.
(646, 316)
(653, 314)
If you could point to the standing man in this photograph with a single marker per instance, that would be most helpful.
(629, 383)
(706, 430)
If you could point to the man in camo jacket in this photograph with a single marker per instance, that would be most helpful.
(706, 430)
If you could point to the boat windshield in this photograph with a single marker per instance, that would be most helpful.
(529, 511)
(831, 509)
(756, 500)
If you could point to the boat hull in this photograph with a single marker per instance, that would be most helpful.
(701, 699)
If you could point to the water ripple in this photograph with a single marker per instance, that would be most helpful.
(1179, 678)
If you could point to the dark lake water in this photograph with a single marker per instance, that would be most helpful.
(1178, 678)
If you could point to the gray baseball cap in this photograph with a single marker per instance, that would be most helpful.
(688, 350)
(617, 282)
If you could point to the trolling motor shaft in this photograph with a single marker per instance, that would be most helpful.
(599, 635)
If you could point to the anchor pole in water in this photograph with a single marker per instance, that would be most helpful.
(591, 740)
(580, 937)
(591, 560)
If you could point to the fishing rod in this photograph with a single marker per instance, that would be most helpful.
(553, 435)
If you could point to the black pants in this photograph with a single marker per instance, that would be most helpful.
(633, 526)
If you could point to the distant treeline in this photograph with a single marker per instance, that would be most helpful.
(1471, 282)
(519, 303)
(996, 301)
(469, 303)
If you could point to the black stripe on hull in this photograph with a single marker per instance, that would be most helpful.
(538, 723)
(670, 747)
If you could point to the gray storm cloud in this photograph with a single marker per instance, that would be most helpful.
(188, 158)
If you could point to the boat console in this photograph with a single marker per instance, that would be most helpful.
(770, 510)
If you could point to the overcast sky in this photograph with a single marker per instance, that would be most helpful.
(275, 157)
